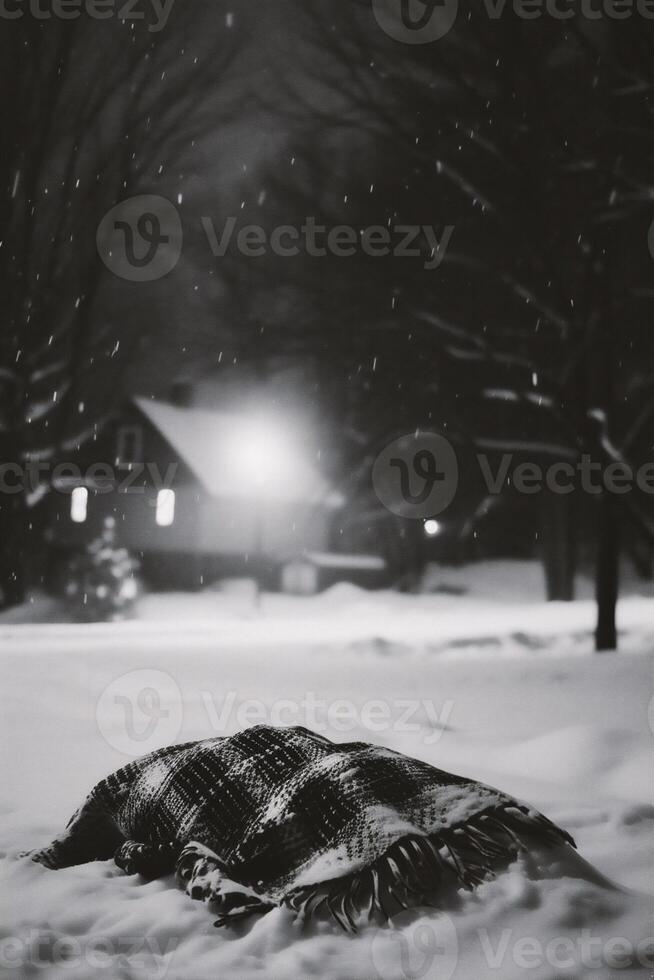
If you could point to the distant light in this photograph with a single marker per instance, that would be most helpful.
(260, 455)
(432, 528)
(79, 499)
(165, 514)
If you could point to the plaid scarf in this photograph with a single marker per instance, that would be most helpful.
(299, 818)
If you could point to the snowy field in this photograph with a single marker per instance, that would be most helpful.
(491, 684)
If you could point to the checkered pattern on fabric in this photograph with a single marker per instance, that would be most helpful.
(285, 807)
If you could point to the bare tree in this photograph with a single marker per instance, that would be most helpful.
(99, 111)
(536, 140)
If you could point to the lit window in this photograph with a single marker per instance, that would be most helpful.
(129, 444)
(79, 499)
(165, 508)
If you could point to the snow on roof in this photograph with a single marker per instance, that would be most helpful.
(234, 456)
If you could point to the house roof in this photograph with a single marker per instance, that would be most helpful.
(233, 455)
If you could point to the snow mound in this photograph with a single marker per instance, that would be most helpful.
(570, 733)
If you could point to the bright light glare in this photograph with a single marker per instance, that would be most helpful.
(165, 514)
(432, 528)
(79, 499)
(260, 457)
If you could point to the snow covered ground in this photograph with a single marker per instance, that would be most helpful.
(492, 684)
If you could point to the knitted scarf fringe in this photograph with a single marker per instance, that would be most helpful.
(411, 873)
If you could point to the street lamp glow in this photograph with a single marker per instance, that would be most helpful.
(261, 458)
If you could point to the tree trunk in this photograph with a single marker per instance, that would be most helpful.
(12, 549)
(600, 411)
(558, 546)
(13, 509)
(642, 554)
(607, 573)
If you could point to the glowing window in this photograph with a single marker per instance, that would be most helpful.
(79, 499)
(165, 508)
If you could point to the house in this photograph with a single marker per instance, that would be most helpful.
(196, 494)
